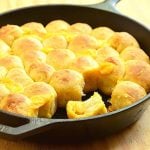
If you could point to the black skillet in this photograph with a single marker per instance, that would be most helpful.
(104, 14)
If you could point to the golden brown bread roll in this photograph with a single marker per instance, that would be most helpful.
(125, 93)
(121, 40)
(68, 84)
(43, 97)
(11, 61)
(26, 43)
(89, 68)
(34, 28)
(9, 33)
(91, 107)
(3, 72)
(29, 57)
(81, 43)
(138, 71)
(110, 71)
(60, 58)
(40, 71)
(104, 53)
(57, 25)
(18, 104)
(102, 33)
(4, 48)
(55, 42)
(134, 53)
(81, 28)
(4, 91)
(19, 76)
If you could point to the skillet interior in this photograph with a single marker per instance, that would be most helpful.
(95, 18)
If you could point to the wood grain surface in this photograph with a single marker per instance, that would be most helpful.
(135, 137)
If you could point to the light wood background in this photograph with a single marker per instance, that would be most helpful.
(137, 136)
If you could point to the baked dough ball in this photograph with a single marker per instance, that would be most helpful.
(138, 71)
(60, 58)
(82, 43)
(19, 76)
(55, 42)
(57, 25)
(40, 71)
(104, 53)
(134, 53)
(121, 40)
(29, 57)
(9, 33)
(4, 48)
(80, 27)
(18, 104)
(26, 43)
(3, 72)
(89, 68)
(11, 61)
(110, 71)
(102, 33)
(91, 107)
(43, 97)
(68, 84)
(4, 91)
(125, 93)
(34, 28)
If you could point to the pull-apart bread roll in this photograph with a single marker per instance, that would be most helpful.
(26, 43)
(34, 28)
(19, 104)
(4, 48)
(43, 97)
(60, 58)
(18, 77)
(89, 68)
(125, 93)
(106, 52)
(121, 40)
(91, 107)
(40, 71)
(11, 61)
(28, 57)
(3, 72)
(56, 25)
(9, 33)
(84, 44)
(134, 53)
(138, 71)
(68, 84)
(55, 42)
(4, 91)
(102, 33)
(81, 28)
(111, 69)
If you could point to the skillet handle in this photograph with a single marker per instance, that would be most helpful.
(25, 126)
(108, 5)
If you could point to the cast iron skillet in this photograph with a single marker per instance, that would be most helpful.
(104, 14)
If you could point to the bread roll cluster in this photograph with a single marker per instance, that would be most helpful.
(44, 68)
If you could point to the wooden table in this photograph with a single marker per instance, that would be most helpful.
(135, 137)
